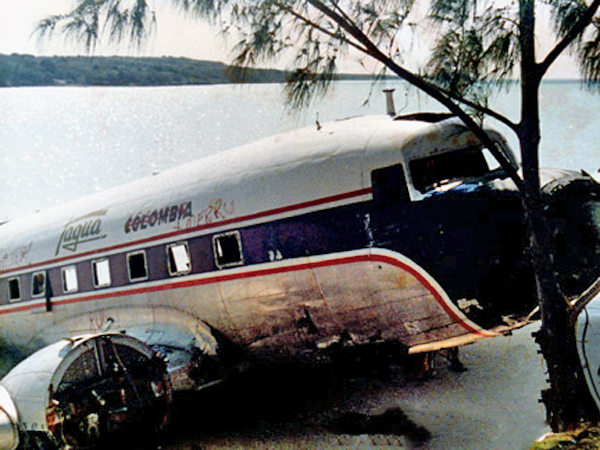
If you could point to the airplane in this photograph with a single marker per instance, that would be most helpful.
(369, 230)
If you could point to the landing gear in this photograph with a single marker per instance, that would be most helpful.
(451, 355)
(426, 363)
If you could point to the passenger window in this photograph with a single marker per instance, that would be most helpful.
(38, 284)
(138, 270)
(228, 249)
(389, 185)
(69, 279)
(101, 272)
(179, 259)
(14, 289)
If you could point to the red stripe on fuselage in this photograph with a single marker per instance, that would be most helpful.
(433, 291)
(173, 234)
(252, 273)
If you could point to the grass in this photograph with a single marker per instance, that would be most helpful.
(587, 437)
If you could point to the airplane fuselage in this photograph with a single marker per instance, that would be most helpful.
(358, 232)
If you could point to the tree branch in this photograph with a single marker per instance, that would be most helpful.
(577, 29)
(487, 111)
(318, 27)
(583, 300)
(430, 89)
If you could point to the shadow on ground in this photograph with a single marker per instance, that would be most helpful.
(291, 404)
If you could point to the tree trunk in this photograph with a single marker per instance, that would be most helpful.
(567, 400)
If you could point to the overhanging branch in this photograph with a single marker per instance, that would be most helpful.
(417, 81)
(318, 27)
(583, 300)
(487, 111)
(577, 29)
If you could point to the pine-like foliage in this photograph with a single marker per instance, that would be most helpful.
(472, 46)
(473, 49)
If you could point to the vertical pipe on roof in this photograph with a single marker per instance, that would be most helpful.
(389, 102)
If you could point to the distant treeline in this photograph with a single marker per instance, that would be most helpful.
(26, 70)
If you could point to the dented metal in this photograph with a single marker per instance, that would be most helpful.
(359, 232)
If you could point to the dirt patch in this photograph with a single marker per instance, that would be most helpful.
(393, 421)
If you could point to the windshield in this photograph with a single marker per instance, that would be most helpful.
(449, 167)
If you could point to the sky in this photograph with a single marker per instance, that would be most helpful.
(175, 36)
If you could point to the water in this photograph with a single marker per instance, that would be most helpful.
(58, 144)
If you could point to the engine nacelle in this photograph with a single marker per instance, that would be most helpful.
(9, 433)
(81, 392)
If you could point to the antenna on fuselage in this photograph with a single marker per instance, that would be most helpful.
(107, 324)
(389, 102)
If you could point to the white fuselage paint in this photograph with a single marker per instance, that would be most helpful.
(283, 306)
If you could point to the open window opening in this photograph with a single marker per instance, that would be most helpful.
(228, 249)
(101, 273)
(70, 283)
(445, 168)
(138, 269)
(38, 284)
(14, 289)
(389, 185)
(178, 256)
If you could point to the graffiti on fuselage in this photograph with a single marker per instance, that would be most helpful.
(158, 217)
(81, 230)
(216, 211)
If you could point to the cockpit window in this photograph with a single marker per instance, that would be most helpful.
(435, 171)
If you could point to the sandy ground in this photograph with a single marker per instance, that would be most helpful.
(492, 405)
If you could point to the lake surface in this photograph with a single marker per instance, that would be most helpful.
(58, 144)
